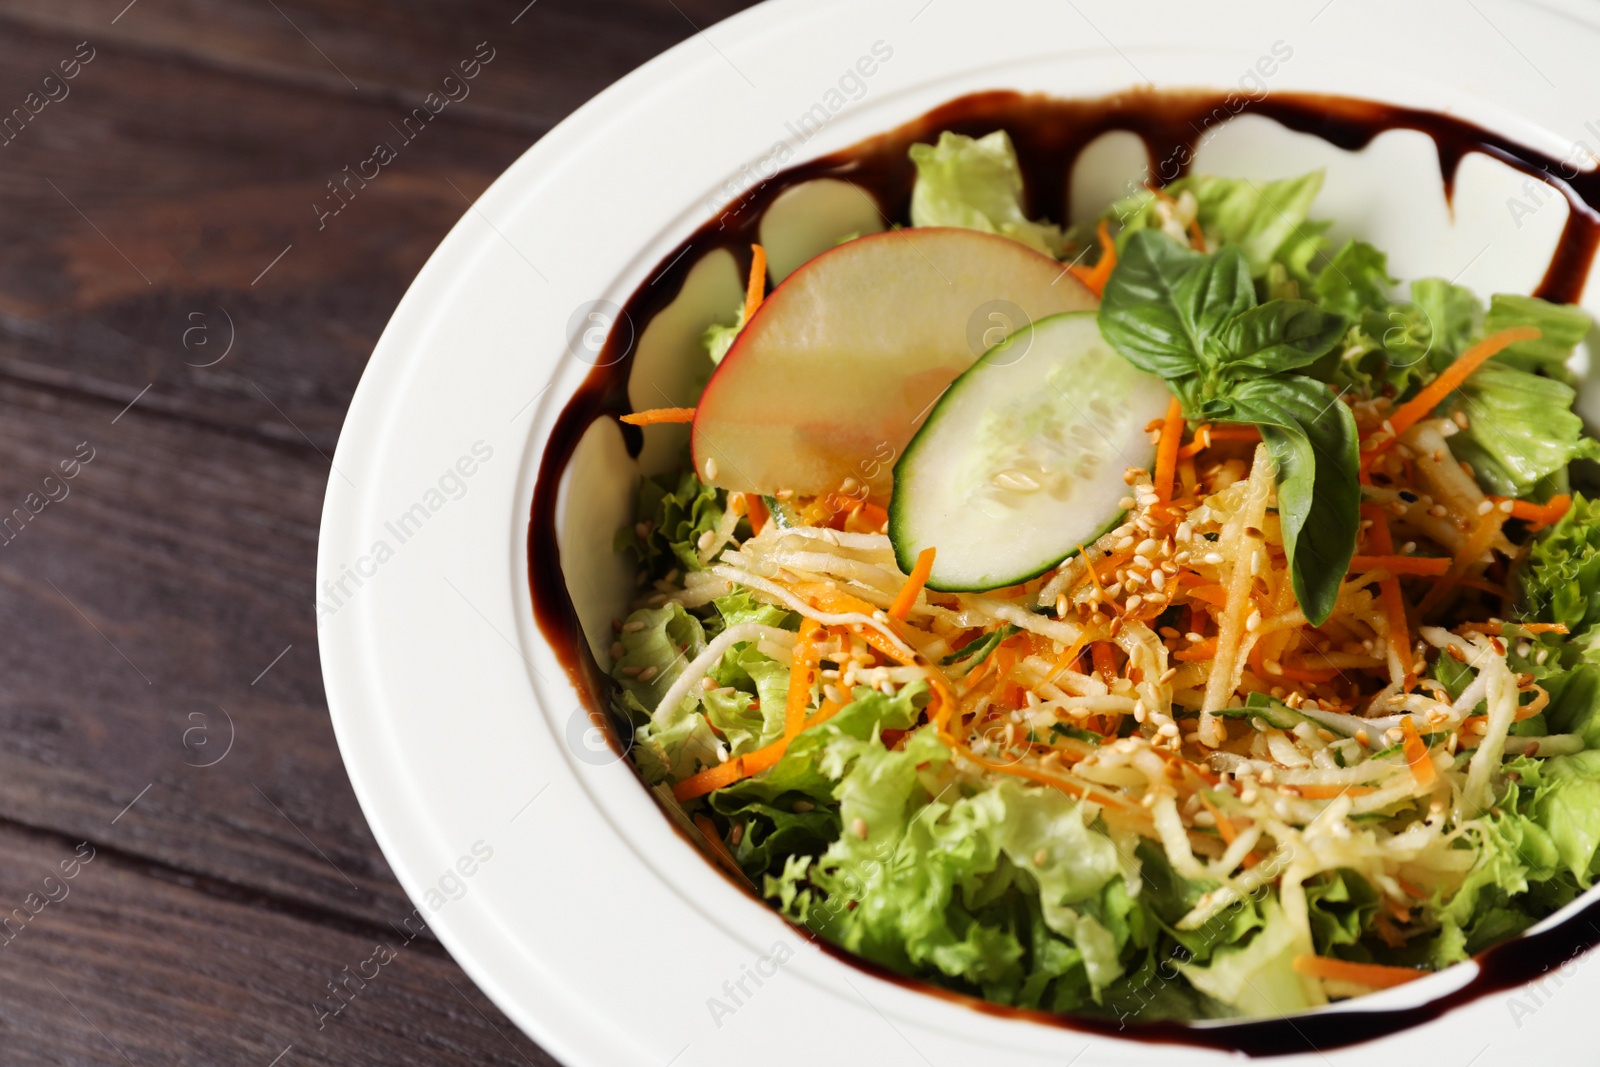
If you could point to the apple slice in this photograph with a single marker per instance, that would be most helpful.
(833, 374)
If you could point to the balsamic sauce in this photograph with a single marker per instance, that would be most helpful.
(1049, 134)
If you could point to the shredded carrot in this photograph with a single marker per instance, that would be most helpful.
(806, 660)
(1418, 407)
(1198, 652)
(1314, 675)
(1167, 450)
(906, 599)
(1422, 767)
(1329, 792)
(1225, 825)
(1095, 277)
(654, 416)
(1376, 975)
(742, 767)
(1216, 594)
(1103, 654)
(756, 508)
(1394, 605)
(1526, 627)
(1409, 565)
(1477, 543)
(1207, 435)
(1540, 515)
(756, 290)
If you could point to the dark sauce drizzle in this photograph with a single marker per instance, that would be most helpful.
(1049, 134)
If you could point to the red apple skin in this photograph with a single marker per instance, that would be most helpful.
(833, 374)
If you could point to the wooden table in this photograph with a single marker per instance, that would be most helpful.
(168, 899)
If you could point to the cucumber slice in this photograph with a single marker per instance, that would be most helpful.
(1021, 460)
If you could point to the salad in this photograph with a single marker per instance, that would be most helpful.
(1214, 637)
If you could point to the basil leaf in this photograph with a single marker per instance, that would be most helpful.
(1311, 437)
(1278, 336)
(1164, 303)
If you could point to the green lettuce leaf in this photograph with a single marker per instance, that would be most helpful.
(1561, 581)
(1452, 316)
(1267, 221)
(1258, 977)
(1521, 428)
(976, 184)
(1356, 280)
(674, 512)
(1562, 326)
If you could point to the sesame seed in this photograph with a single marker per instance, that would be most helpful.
(858, 826)
(632, 672)
(632, 627)
(1438, 511)
(1134, 601)
(705, 541)
(1158, 580)
(1268, 776)
(711, 469)
(1125, 503)
(708, 683)
(1147, 547)
(649, 673)
(1213, 558)
(1485, 507)
(1041, 857)
(617, 650)
(1168, 729)
(1248, 796)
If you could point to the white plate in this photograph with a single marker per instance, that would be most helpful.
(543, 865)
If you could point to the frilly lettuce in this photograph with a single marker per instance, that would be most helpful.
(1561, 580)
(976, 184)
(675, 512)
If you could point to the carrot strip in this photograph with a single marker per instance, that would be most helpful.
(1225, 825)
(1528, 627)
(1477, 544)
(1102, 653)
(1417, 408)
(1376, 975)
(1095, 277)
(1197, 652)
(806, 660)
(1167, 450)
(907, 597)
(1409, 565)
(1314, 675)
(1215, 594)
(756, 290)
(655, 416)
(1394, 605)
(1541, 515)
(742, 767)
(1422, 767)
(756, 508)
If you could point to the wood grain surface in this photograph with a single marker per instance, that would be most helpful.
(180, 335)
